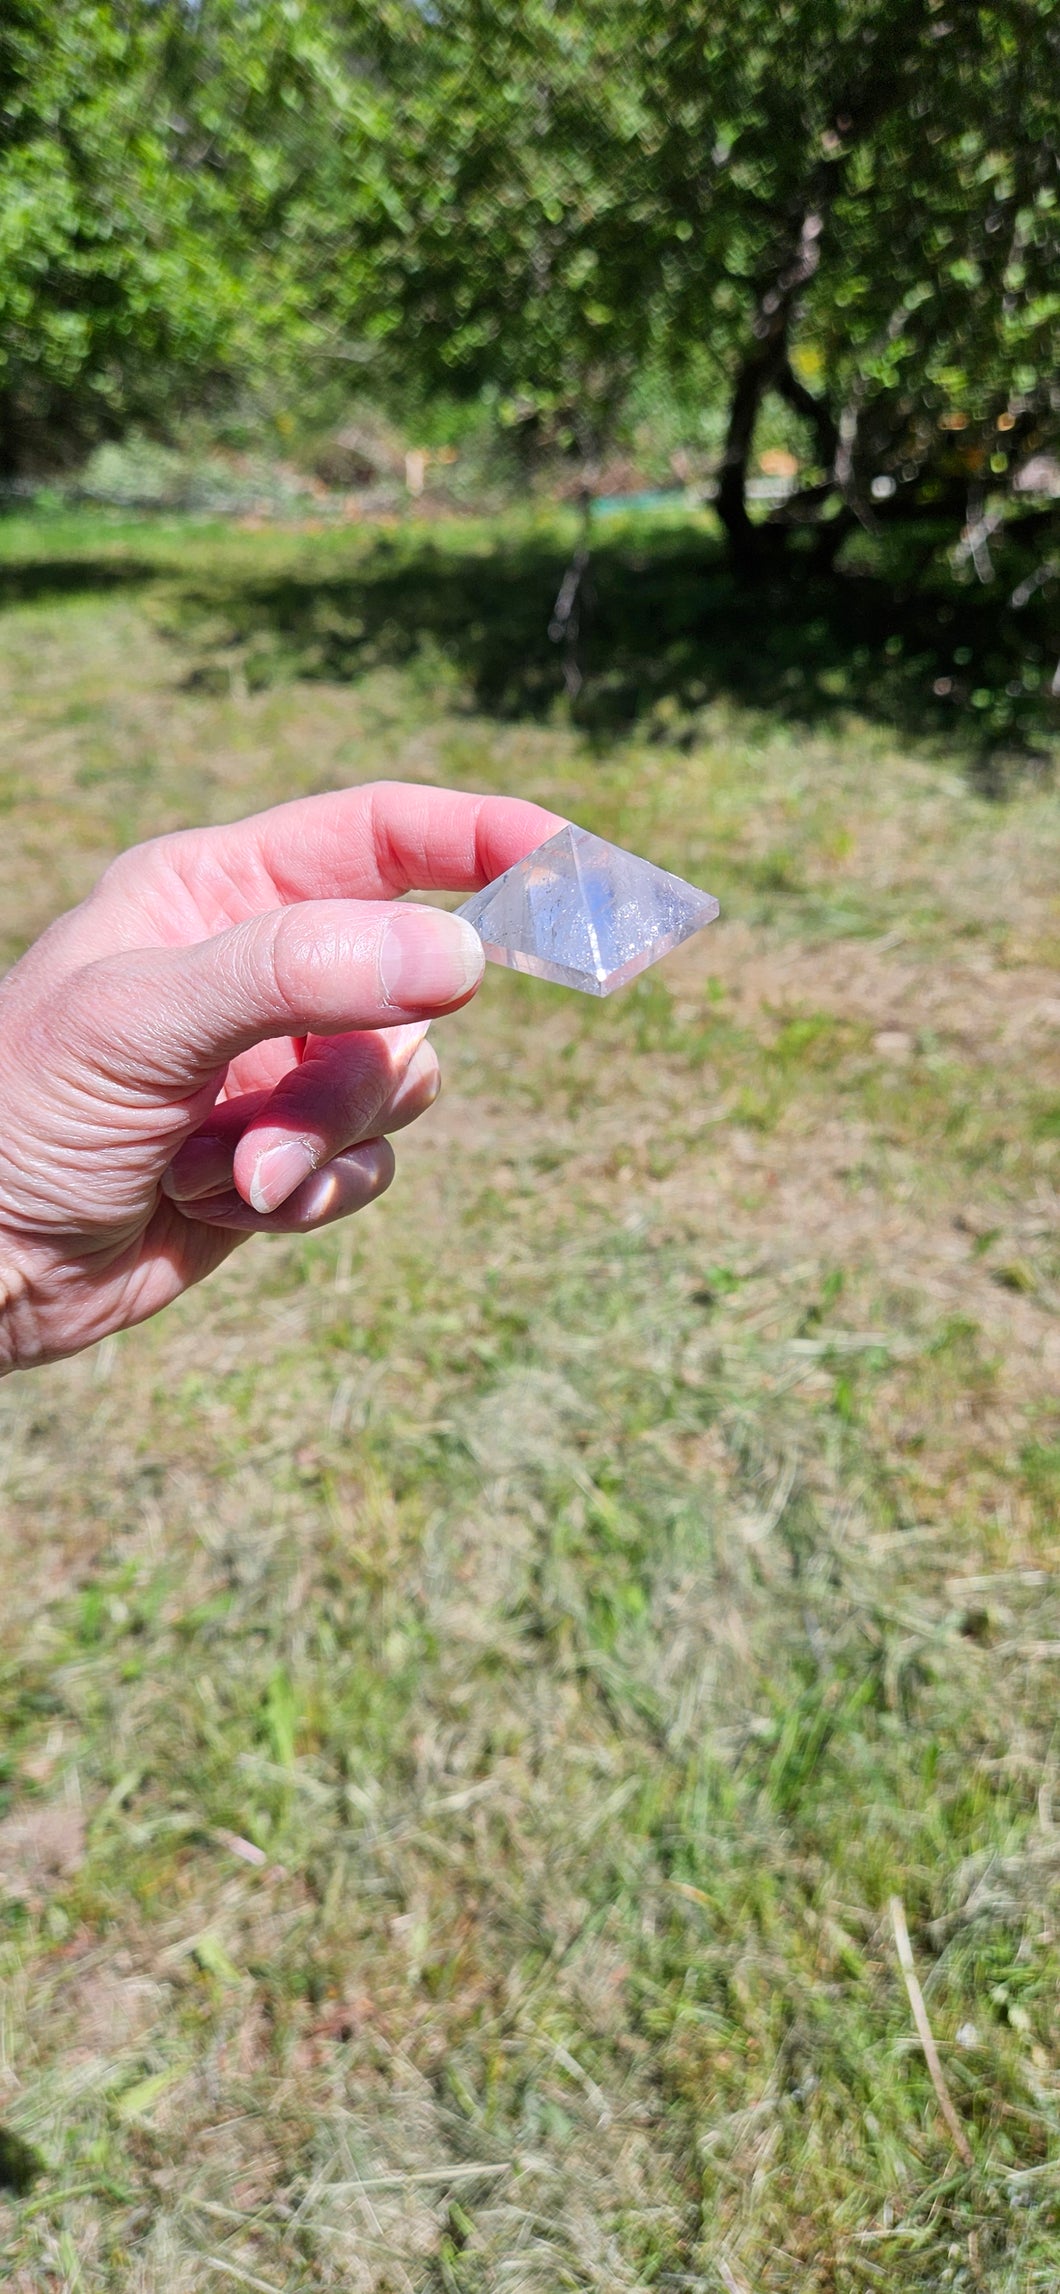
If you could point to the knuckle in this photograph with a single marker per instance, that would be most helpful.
(110, 994)
(253, 970)
(282, 946)
(128, 868)
(365, 1188)
(89, 1027)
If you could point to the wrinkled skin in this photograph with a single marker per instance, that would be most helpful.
(217, 1042)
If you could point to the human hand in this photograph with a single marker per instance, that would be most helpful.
(215, 1042)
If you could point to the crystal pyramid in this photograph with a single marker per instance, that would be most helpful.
(585, 913)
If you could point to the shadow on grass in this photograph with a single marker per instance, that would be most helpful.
(665, 629)
(33, 581)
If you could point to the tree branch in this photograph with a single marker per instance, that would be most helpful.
(815, 411)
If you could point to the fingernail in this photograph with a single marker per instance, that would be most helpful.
(201, 1167)
(428, 958)
(278, 1172)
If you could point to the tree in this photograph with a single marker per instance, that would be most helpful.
(158, 163)
(850, 203)
(104, 285)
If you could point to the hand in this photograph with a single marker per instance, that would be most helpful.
(214, 1044)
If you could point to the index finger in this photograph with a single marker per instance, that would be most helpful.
(368, 843)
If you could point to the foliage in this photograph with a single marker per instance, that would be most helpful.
(848, 202)
(109, 290)
(847, 205)
(153, 164)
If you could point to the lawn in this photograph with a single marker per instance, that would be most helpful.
(486, 1691)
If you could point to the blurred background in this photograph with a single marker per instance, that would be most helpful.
(517, 1716)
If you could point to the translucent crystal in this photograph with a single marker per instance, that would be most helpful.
(585, 913)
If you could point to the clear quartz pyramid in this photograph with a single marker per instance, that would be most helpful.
(585, 913)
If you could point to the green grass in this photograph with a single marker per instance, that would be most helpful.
(472, 1683)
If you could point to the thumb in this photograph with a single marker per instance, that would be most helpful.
(163, 1020)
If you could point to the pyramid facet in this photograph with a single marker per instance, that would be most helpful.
(585, 913)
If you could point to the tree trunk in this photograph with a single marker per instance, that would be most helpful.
(744, 539)
(765, 368)
(881, 84)
(9, 440)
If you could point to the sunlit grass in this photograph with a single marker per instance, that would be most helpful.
(472, 1683)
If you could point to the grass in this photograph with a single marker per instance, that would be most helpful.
(472, 1683)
